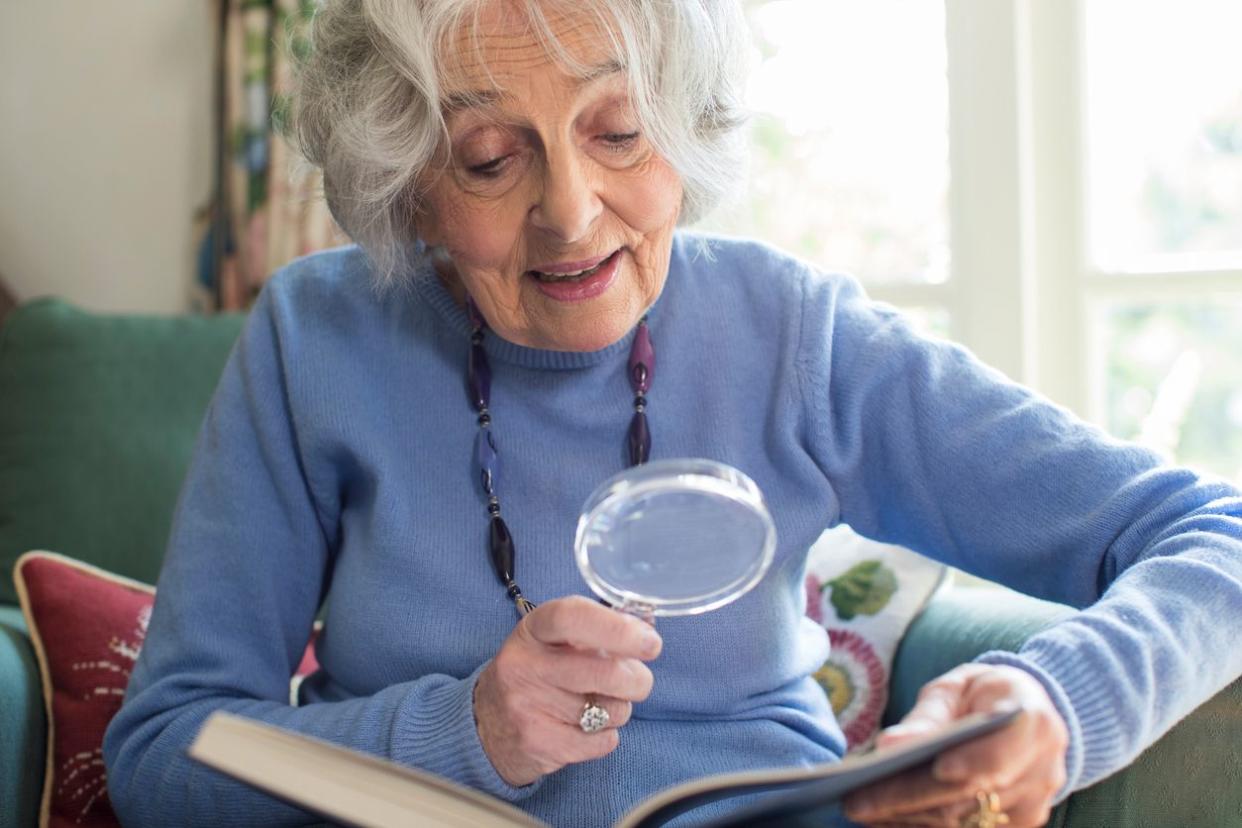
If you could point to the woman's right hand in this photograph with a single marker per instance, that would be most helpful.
(530, 697)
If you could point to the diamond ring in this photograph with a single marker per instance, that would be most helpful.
(594, 718)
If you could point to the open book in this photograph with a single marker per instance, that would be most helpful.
(356, 789)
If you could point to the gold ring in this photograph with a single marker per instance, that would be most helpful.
(989, 813)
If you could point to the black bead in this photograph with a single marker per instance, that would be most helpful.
(485, 419)
(476, 337)
(640, 401)
(479, 377)
(639, 439)
(493, 509)
(502, 549)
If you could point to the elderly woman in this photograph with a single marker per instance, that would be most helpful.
(515, 174)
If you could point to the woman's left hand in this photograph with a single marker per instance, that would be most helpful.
(1023, 763)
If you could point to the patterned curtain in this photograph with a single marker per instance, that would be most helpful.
(267, 206)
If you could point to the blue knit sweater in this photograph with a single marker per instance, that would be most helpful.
(335, 462)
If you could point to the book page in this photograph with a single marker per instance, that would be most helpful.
(343, 785)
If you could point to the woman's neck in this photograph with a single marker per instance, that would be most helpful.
(446, 272)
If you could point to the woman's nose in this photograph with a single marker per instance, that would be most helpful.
(568, 204)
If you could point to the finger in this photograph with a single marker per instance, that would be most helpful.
(566, 708)
(575, 746)
(923, 821)
(585, 674)
(954, 814)
(913, 822)
(997, 760)
(1027, 804)
(938, 704)
(1001, 758)
(949, 815)
(586, 625)
(908, 793)
(1030, 811)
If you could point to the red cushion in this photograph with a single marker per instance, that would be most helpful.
(87, 627)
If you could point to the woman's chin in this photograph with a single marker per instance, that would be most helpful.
(592, 338)
(588, 326)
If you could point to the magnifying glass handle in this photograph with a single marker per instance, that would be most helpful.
(639, 610)
(636, 608)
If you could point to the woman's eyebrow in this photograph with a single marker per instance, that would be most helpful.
(458, 101)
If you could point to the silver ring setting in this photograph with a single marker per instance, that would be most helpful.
(594, 718)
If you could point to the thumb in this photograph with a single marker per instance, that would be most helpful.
(938, 705)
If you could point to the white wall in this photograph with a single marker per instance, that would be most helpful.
(105, 149)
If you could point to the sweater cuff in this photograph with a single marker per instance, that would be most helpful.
(437, 732)
(1061, 700)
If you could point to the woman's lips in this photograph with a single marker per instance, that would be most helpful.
(571, 267)
(581, 288)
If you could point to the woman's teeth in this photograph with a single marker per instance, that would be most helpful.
(570, 277)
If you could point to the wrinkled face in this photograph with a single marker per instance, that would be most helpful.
(556, 214)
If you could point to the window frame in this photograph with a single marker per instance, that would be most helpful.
(1023, 293)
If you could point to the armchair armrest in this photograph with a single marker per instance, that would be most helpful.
(23, 725)
(958, 624)
(1191, 776)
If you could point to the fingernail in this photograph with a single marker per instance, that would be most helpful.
(651, 641)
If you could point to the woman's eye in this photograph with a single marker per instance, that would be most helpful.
(619, 140)
(488, 169)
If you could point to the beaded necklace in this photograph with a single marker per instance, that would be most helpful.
(501, 548)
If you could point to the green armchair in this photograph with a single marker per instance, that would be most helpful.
(98, 414)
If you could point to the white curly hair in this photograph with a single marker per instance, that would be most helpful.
(367, 105)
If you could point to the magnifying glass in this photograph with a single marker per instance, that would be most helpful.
(674, 537)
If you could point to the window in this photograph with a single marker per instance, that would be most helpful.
(1164, 126)
(850, 136)
(1164, 208)
(1056, 185)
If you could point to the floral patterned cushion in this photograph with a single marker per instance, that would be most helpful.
(87, 627)
(864, 594)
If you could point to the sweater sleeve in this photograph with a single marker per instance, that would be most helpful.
(247, 564)
(926, 447)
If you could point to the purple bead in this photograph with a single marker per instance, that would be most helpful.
(487, 457)
(503, 552)
(479, 373)
(642, 360)
(639, 439)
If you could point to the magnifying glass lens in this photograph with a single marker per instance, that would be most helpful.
(674, 537)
